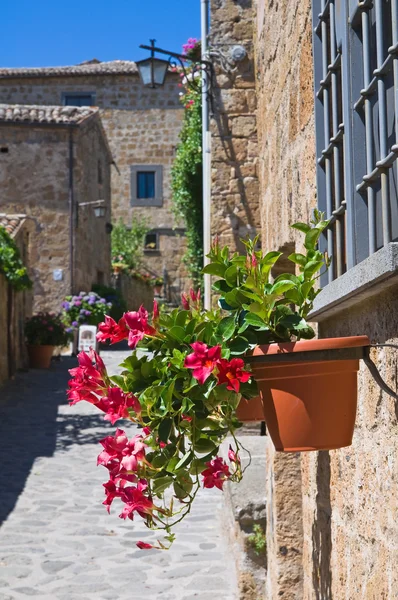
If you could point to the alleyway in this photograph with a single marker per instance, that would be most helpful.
(57, 541)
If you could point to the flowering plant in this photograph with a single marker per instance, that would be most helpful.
(192, 49)
(87, 308)
(186, 376)
(45, 329)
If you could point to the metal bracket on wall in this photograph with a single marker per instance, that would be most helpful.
(374, 371)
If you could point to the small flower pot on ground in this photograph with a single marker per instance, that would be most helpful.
(158, 290)
(309, 403)
(43, 333)
(40, 356)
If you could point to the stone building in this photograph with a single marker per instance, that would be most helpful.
(142, 126)
(15, 306)
(55, 168)
(331, 516)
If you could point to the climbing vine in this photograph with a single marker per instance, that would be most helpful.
(187, 183)
(11, 265)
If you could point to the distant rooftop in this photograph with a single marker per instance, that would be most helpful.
(32, 114)
(11, 223)
(90, 67)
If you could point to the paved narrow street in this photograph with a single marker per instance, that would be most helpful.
(57, 541)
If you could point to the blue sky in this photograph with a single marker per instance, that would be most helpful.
(36, 33)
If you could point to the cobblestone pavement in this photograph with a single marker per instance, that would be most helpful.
(57, 541)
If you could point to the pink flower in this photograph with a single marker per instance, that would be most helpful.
(87, 381)
(121, 456)
(216, 473)
(110, 330)
(185, 301)
(203, 360)
(143, 545)
(186, 418)
(116, 404)
(231, 372)
(194, 295)
(135, 501)
(233, 456)
(138, 324)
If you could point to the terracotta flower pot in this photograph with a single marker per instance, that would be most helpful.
(250, 410)
(310, 401)
(157, 289)
(40, 356)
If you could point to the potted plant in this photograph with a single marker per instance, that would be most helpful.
(189, 371)
(43, 333)
(157, 283)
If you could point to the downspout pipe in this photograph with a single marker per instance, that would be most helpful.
(206, 156)
(71, 213)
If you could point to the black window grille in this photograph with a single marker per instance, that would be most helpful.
(355, 48)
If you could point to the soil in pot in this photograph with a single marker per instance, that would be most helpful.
(40, 356)
(309, 405)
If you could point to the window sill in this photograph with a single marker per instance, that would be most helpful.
(363, 281)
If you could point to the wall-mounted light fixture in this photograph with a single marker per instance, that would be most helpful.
(98, 205)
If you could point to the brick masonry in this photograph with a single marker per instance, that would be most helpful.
(142, 126)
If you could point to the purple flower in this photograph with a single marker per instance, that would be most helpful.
(75, 323)
(87, 313)
(65, 305)
(78, 303)
(102, 300)
(69, 329)
(91, 301)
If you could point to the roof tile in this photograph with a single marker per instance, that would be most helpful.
(33, 114)
(113, 67)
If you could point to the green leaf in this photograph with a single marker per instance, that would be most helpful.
(226, 327)
(215, 269)
(231, 298)
(298, 259)
(161, 483)
(119, 380)
(239, 345)
(305, 288)
(256, 321)
(304, 227)
(312, 267)
(177, 333)
(204, 446)
(311, 239)
(185, 460)
(165, 429)
(181, 317)
(231, 275)
(282, 286)
(179, 491)
(221, 286)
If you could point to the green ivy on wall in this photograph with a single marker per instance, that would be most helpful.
(11, 265)
(186, 183)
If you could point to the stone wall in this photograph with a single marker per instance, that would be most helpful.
(134, 291)
(92, 241)
(331, 526)
(35, 180)
(234, 163)
(142, 126)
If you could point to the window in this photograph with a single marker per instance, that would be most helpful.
(78, 99)
(356, 109)
(146, 185)
(151, 242)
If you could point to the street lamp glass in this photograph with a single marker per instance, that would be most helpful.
(152, 71)
(99, 211)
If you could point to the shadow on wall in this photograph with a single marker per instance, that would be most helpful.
(322, 531)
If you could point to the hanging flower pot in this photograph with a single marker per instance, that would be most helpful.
(40, 356)
(309, 397)
(250, 410)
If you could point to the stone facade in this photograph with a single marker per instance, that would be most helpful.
(134, 292)
(142, 126)
(15, 307)
(331, 518)
(40, 176)
(234, 145)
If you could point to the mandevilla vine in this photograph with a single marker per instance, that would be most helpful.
(11, 264)
(185, 378)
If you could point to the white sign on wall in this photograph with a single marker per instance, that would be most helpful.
(87, 338)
